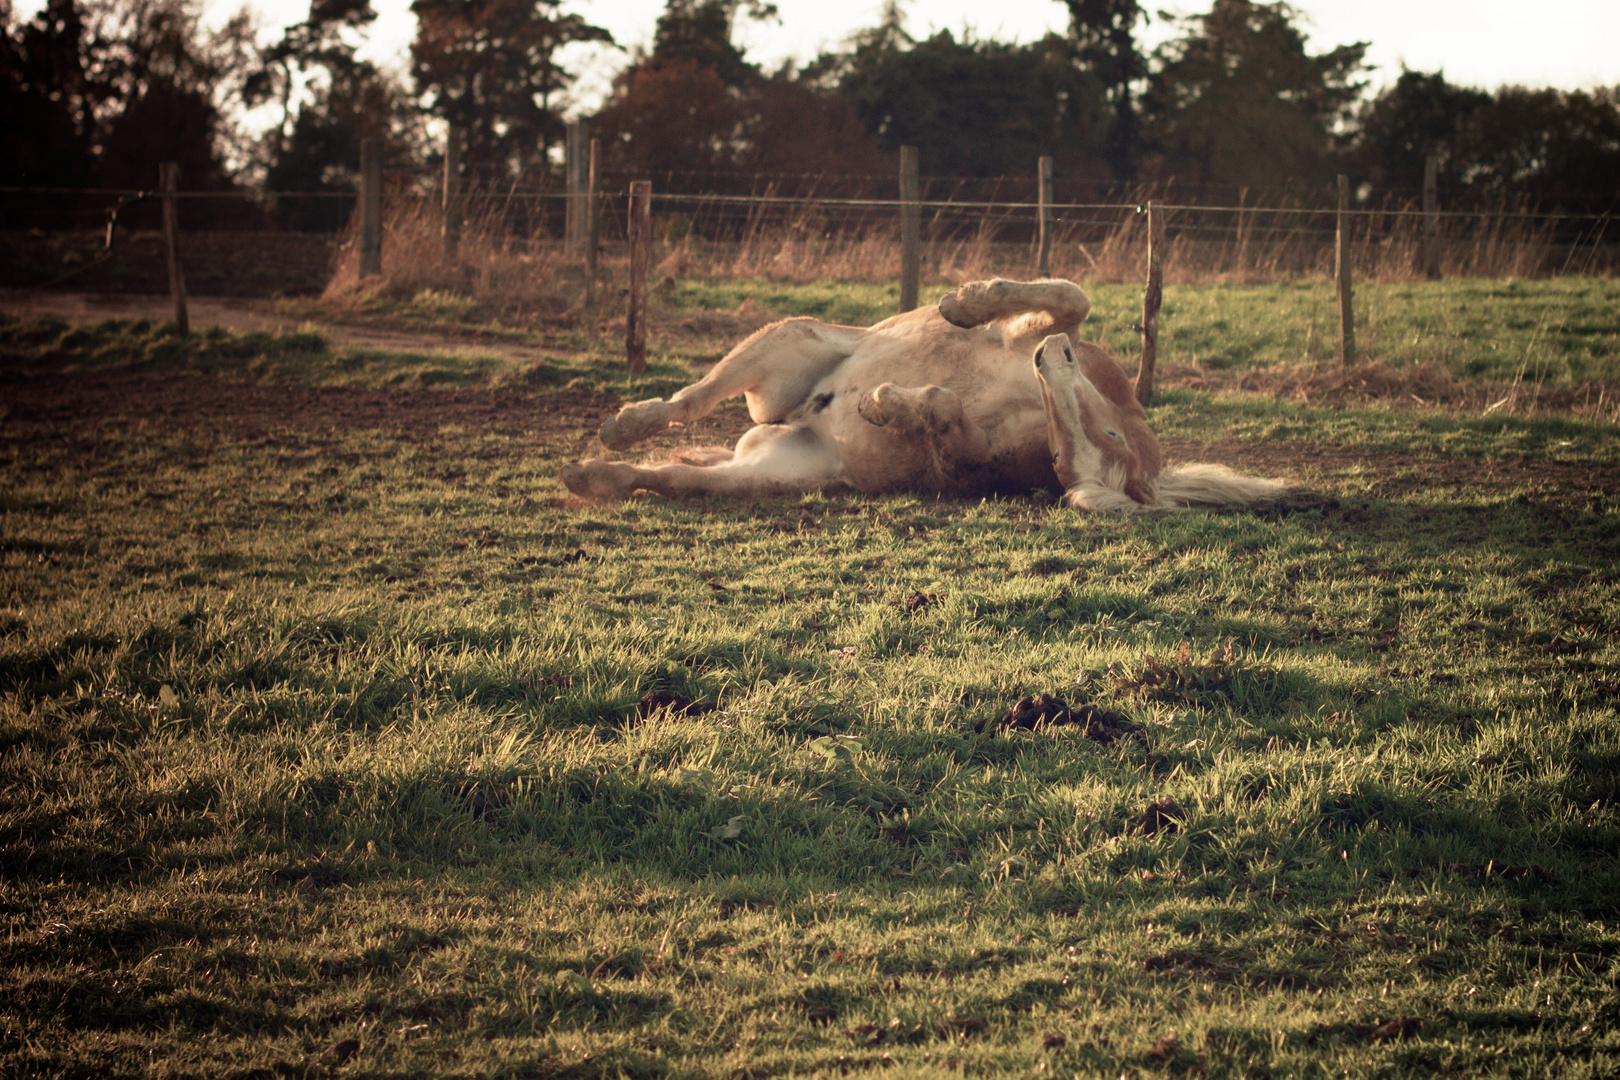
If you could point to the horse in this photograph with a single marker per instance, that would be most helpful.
(991, 391)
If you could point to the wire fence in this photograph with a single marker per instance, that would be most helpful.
(796, 226)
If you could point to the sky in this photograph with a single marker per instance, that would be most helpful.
(1569, 44)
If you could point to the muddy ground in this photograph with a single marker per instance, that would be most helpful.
(77, 405)
(80, 407)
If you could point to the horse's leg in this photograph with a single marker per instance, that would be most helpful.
(932, 412)
(773, 460)
(775, 369)
(1028, 307)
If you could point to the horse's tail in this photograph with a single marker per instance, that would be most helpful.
(1216, 484)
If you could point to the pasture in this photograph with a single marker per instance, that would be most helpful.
(337, 740)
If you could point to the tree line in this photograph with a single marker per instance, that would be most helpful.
(1235, 105)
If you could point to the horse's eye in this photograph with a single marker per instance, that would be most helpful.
(1115, 435)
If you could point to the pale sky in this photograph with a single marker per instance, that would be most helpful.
(1572, 44)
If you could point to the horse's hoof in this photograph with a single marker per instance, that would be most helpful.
(974, 304)
(594, 479)
(951, 307)
(634, 423)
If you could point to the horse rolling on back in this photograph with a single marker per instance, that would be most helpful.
(991, 391)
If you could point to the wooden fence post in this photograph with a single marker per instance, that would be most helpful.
(1341, 274)
(452, 192)
(1431, 216)
(1152, 298)
(371, 162)
(910, 229)
(635, 319)
(1243, 236)
(593, 223)
(1043, 260)
(169, 184)
(577, 168)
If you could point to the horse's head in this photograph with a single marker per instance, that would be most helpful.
(1104, 455)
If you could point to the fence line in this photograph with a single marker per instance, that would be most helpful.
(562, 197)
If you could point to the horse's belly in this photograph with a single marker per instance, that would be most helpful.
(880, 459)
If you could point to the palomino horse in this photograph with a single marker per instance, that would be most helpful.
(940, 400)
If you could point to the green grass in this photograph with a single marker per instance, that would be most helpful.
(319, 755)
(1561, 330)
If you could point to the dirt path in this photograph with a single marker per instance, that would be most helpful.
(243, 315)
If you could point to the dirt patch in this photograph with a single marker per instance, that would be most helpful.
(1048, 710)
(1161, 816)
(245, 315)
(198, 405)
(671, 705)
(87, 405)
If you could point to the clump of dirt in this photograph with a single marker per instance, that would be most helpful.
(1184, 963)
(1398, 1030)
(671, 705)
(484, 800)
(898, 834)
(1049, 710)
(821, 1015)
(1180, 681)
(1495, 871)
(1161, 816)
(916, 601)
(1166, 1049)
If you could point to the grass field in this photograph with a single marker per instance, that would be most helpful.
(335, 739)
(1562, 329)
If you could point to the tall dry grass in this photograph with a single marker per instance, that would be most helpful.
(512, 267)
(502, 269)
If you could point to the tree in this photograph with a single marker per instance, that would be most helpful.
(490, 68)
(323, 42)
(695, 109)
(49, 98)
(168, 79)
(671, 117)
(700, 32)
(1549, 148)
(1416, 116)
(1104, 37)
(1238, 101)
(101, 92)
(975, 108)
